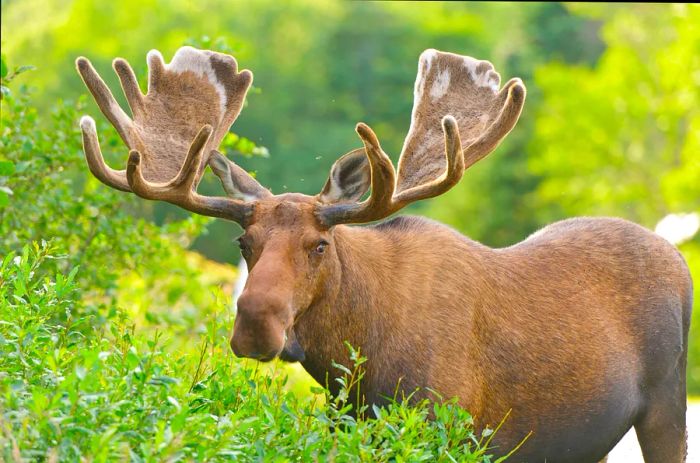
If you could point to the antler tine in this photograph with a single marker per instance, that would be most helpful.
(383, 180)
(104, 99)
(156, 69)
(130, 86)
(455, 168)
(95, 160)
(383, 177)
(512, 96)
(181, 191)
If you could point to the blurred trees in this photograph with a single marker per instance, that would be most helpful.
(623, 137)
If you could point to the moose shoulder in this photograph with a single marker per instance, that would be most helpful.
(580, 331)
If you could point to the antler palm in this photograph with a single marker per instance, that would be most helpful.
(197, 89)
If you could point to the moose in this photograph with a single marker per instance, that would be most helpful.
(580, 331)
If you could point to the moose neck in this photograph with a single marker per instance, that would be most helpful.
(349, 308)
(346, 309)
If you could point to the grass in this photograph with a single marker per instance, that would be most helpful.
(83, 379)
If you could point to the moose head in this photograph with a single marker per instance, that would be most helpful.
(290, 245)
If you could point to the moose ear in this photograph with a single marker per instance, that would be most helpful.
(236, 181)
(349, 179)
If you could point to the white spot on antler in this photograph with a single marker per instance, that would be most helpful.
(488, 78)
(87, 123)
(425, 62)
(440, 85)
(197, 61)
(427, 57)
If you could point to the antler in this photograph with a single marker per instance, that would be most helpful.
(456, 98)
(190, 105)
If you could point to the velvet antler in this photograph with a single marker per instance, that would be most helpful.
(459, 116)
(190, 105)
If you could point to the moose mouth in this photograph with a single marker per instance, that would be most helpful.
(292, 350)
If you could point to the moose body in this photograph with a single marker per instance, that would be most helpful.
(580, 331)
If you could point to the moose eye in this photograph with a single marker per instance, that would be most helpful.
(321, 247)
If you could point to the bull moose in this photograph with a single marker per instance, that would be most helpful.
(580, 331)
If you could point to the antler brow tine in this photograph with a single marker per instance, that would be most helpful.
(178, 188)
(452, 175)
(383, 181)
(95, 160)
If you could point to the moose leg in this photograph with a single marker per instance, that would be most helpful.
(662, 431)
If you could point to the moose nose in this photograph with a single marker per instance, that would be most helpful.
(258, 306)
(248, 307)
(258, 331)
(262, 356)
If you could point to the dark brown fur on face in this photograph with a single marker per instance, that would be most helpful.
(580, 331)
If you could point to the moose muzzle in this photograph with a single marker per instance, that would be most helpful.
(259, 329)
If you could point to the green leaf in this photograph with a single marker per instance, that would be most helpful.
(3, 67)
(7, 168)
(4, 199)
(25, 68)
(173, 401)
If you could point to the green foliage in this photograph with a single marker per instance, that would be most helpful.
(53, 197)
(634, 149)
(80, 382)
(6, 76)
